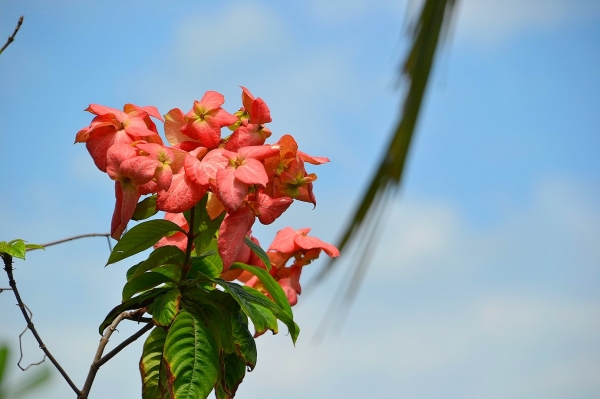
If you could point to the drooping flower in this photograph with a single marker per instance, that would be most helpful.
(298, 244)
(294, 244)
(130, 171)
(111, 126)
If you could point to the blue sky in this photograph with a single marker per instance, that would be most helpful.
(485, 283)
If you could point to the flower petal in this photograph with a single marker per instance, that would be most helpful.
(231, 191)
(234, 228)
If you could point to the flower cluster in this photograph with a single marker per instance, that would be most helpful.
(243, 177)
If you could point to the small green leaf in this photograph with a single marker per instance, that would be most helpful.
(261, 310)
(270, 284)
(138, 302)
(269, 314)
(143, 283)
(274, 289)
(258, 251)
(166, 307)
(209, 263)
(167, 255)
(15, 248)
(145, 208)
(34, 246)
(142, 237)
(190, 363)
(150, 363)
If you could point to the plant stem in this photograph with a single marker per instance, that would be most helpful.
(123, 344)
(9, 271)
(11, 38)
(72, 238)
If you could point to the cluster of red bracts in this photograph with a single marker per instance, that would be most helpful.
(242, 175)
(288, 245)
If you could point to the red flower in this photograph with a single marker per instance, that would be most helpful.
(206, 118)
(130, 172)
(112, 126)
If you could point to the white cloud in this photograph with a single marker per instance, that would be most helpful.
(235, 32)
(432, 238)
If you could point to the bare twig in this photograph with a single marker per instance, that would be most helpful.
(107, 235)
(7, 259)
(99, 360)
(11, 38)
(123, 344)
(5, 289)
(21, 345)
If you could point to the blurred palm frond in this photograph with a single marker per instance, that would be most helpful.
(365, 224)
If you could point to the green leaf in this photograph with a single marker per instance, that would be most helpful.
(167, 255)
(209, 263)
(244, 342)
(261, 310)
(205, 228)
(145, 208)
(173, 272)
(166, 307)
(143, 283)
(258, 251)
(150, 363)
(217, 308)
(270, 284)
(15, 248)
(142, 237)
(138, 302)
(231, 375)
(34, 246)
(190, 363)
(276, 292)
(131, 270)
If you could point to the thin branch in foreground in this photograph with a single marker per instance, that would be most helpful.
(5, 289)
(21, 345)
(11, 38)
(7, 259)
(99, 360)
(107, 235)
